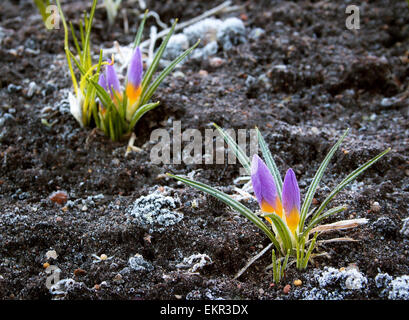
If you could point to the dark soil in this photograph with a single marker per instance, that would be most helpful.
(335, 78)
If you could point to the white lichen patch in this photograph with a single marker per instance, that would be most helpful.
(138, 263)
(62, 286)
(393, 289)
(155, 212)
(334, 284)
(347, 279)
(195, 262)
(322, 294)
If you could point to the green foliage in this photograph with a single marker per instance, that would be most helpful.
(279, 265)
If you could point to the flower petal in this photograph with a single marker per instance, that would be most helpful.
(112, 78)
(264, 187)
(291, 200)
(102, 81)
(135, 69)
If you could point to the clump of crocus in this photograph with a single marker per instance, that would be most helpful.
(280, 204)
(119, 109)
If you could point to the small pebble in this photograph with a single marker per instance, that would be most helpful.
(216, 62)
(375, 207)
(51, 254)
(203, 73)
(79, 272)
(59, 197)
(32, 88)
(118, 277)
(179, 75)
(287, 289)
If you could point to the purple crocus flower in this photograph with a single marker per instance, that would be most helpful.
(109, 80)
(267, 195)
(133, 87)
(291, 200)
(264, 187)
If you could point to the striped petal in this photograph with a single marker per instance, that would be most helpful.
(264, 187)
(291, 200)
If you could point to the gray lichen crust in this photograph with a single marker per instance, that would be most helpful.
(155, 212)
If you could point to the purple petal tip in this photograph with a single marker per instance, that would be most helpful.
(291, 192)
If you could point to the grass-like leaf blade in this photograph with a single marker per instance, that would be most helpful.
(239, 152)
(165, 72)
(270, 162)
(316, 180)
(353, 175)
(232, 203)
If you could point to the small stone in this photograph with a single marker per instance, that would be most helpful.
(216, 62)
(32, 88)
(297, 282)
(59, 197)
(179, 75)
(375, 207)
(84, 208)
(118, 277)
(51, 254)
(287, 289)
(315, 130)
(203, 73)
(79, 272)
